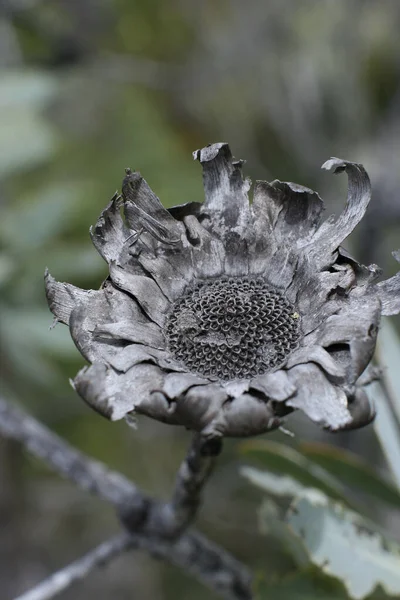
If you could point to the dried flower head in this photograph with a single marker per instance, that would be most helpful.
(226, 316)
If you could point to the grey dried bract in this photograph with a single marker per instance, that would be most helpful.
(226, 316)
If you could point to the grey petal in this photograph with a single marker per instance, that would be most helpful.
(134, 354)
(175, 384)
(183, 210)
(145, 290)
(332, 233)
(200, 406)
(139, 333)
(226, 196)
(357, 325)
(109, 233)
(389, 292)
(62, 298)
(207, 253)
(144, 210)
(100, 310)
(316, 354)
(268, 256)
(139, 219)
(361, 409)
(323, 402)
(276, 386)
(172, 272)
(293, 211)
(236, 388)
(114, 395)
(311, 290)
(237, 255)
(242, 417)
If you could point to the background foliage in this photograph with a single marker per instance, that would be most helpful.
(88, 88)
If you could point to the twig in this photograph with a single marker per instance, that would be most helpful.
(78, 569)
(146, 519)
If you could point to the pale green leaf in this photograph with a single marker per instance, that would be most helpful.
(343, 545)
(282, 459)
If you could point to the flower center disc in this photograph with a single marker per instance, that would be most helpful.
(232, 328)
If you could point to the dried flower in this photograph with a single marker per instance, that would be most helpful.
(226, 316)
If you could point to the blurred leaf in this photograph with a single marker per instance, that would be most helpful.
(26, 137)
(26, 140)
(271, 524)
(285, 460)
(386, 428)
(388, 349)
(7, 268)
(278, 485)
(28, 330)
(307, 584)
(76, 262)
(20, 89)
(41, 217)
(342, 544)
(351, 470)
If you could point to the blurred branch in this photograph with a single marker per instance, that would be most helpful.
(78, 569)
(152, 526)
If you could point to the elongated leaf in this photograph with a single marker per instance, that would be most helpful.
(352, 471)
(284, 460)
(343, 545)
(386, 429)
(278, 485)
(388, 350)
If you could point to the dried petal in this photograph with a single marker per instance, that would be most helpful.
(144, 210)
(226, 198)
(145, 290)
(332, 233)
(110, 233)
(324, 403)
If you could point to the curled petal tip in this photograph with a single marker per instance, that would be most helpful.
(337, 165)
(210, 152)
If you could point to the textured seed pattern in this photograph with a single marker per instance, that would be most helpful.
(232, 328)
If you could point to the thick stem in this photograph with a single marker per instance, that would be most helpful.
(191, 478)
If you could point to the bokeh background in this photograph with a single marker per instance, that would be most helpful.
(89, 87)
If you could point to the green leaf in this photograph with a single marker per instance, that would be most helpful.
(22, 88)
(271, 524)
(26, 140)
(352, 471)
(386, 428)
(284, 460)
(307, 584)
(278, 485)
(387, 398)
(388, 350)
(343, 545)
(40, 216)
